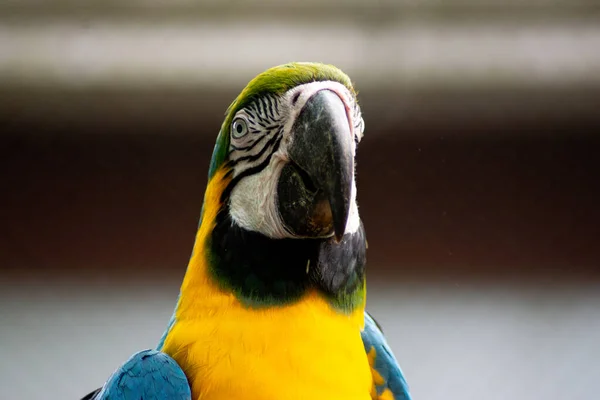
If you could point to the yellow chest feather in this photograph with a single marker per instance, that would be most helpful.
(301, 351)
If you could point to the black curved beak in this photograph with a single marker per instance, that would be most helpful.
(315, 187)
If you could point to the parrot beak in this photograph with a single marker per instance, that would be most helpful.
(314, 190)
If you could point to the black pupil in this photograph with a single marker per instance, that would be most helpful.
(239, 128)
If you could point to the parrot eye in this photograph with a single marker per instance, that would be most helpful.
(239, 128)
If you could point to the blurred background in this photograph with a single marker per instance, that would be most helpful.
(478, 180)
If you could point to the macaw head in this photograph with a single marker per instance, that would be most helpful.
(289, 141)
(281, 199)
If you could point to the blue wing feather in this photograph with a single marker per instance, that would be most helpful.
(385, 362)
(149, 374)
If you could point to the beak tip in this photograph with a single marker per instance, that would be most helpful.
(340, 207)
(338, 236)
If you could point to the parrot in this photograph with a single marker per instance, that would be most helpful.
(272, 304)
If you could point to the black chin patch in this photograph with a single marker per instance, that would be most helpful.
(262, 271)
(259, 270)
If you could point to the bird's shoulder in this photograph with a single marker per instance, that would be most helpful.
(388, 379)
(148, 374)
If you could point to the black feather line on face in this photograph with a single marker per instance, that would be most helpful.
(249, 146)
(254, 157)
(250, 171)
(250, 113)
(271, 114)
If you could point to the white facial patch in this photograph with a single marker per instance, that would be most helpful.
(253, 201)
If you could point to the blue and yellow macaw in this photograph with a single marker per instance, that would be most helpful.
(272, 306)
